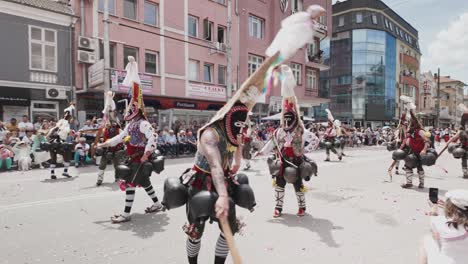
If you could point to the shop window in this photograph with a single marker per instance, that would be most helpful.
(42, 49)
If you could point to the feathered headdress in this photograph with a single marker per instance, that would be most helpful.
(109, 108)
(329, 115)
(290, 111)
(68, 112)
(132, 80)
(408, 105)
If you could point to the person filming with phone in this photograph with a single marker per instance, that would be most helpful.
(448, 242)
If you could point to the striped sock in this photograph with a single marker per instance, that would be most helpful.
(66, 165)
(151, 193)
(279, 197)
(129, 197)
(52, 169)
(222, 250)
(193, 248)
(301, 202)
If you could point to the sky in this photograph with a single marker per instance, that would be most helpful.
(443, 33)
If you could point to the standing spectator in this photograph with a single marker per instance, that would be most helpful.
(38, 124)
(24, 126)
(13, 127)
(182, 140)
(446, 135)
(40, 156)
(191, 142)
(73, 124)
(6, 156)
(171, 141)
(448, 242)
(81, 152)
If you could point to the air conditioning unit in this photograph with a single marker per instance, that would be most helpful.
(56, 93)
(220, 47)
(86, 57)
(86, 43)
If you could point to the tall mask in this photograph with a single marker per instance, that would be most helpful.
(234, 121)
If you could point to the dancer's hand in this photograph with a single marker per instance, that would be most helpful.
(145, 156)
(235, 168)
(222, 207)
(101, 145)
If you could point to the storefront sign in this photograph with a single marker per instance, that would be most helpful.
(13, 111)
(96, 74)
(210, 92)
(185, 105)
(117, 78)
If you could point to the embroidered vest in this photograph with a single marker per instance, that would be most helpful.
(294, 137)
(137, 138)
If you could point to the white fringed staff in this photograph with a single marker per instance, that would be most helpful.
(230, 240)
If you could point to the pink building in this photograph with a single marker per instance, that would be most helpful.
(179, 46)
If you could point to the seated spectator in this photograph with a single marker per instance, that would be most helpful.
(40, 156)
(6, 156)
(2, 131)
(10, 139)
(171, 143)
(23, 155)
(13, 127)
(38, 124)
(24, 126)
(182, 140)
(191, 142)
(449, 241)
(161, 143)
(81, 152)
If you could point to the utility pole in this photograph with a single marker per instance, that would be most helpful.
(229, 51)
(438, 99)
(106, 48)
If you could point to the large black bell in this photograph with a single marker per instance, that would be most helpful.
(244, 196)
(429, 159)
(391, 146)
(306, 170)
(45, 146)
(147, 168)
(290, 174)
(337, 143)
(398, 154)
(122, 171)
(458, 153)
(202, 205)
(99, 152)
(175, 193)
(411, 161)
(158, 164)
(328, 144)
(452, 146)
(241, 178)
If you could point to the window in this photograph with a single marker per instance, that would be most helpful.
(222, 74)
(391, 26)
(208, 72)
(221, 34)
(193, 26)
(296, 69)
(130, 51)
(397, 30)
(111, 7)
(129, 9)
(359, 18)
(151, 13)
(194, 68)
(207, 30)
(254, 63)
(374, 19)
(323, 20)
(220, 1)
(42, 49)
(341, 21)
(111, 52)
(311, 79)
(386, 23)
(296, 5)
(256, 27)
(151, 62)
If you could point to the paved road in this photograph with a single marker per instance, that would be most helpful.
(354, 216)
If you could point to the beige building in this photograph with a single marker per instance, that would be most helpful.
(451, 95)
(427, 95)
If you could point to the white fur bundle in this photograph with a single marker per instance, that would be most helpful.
(109, 104)
(329, 115)
(63, 128)
(408, 102)
(132, 72)
(288, 82)
(296, 31)
(462, 108)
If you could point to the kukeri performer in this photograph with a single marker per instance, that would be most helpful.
(57, 143)
(110, 130)
(416, 146)
(398, 138)
(460, 150)
(246, 143)
(330, 140)
(140, 140)
(289, 164)
(211, 188)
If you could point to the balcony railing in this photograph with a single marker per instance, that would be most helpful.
(311, 92)
(409, 80)
(408, 60)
